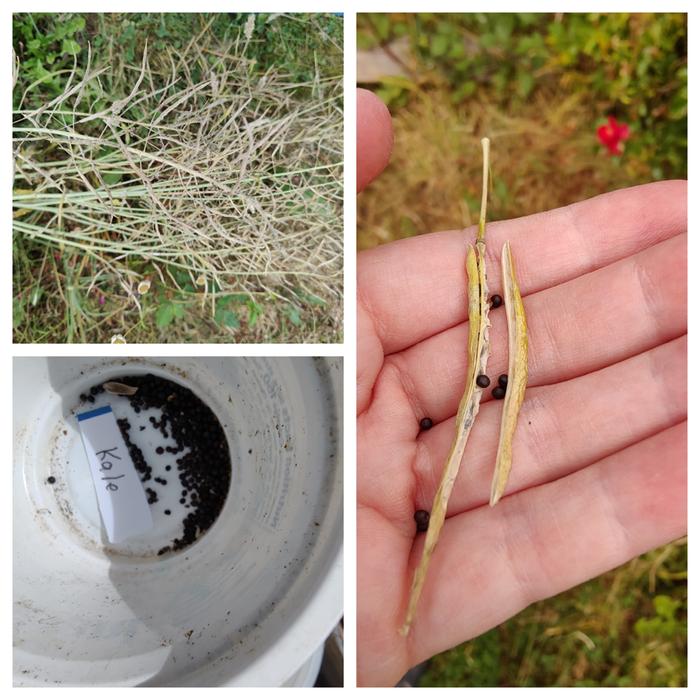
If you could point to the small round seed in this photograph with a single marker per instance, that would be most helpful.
(503, 380)
(498, 393)
(51, 480)
(483, 381)
(426, 424)
(167, 512)
(422, 518)
(496, 301)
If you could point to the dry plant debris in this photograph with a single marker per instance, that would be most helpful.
(233, 177)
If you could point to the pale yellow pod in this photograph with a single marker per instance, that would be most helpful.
(517, 374)
(478, 350)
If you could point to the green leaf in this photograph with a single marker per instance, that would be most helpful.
(17, 313)
(466, 89)
(293, 315)
(665, 606)
(71, 47)
(76, 24)
(165, 314)
(381, 25)
(254, 312)
(111, 178)
(226, 317)
(309, 298)
(439, 45)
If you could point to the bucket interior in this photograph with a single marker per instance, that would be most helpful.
(218, 610)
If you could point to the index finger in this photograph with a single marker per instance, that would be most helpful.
(415, 288)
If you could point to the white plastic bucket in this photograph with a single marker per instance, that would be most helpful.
(248, 603)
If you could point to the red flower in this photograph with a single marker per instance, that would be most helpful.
(612, 134)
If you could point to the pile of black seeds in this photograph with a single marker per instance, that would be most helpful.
(204, 462)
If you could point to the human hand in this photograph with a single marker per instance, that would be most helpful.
(599, 465)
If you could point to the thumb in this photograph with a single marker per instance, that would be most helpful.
(375, 137)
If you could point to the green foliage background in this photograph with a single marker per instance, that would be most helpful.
(633, 66)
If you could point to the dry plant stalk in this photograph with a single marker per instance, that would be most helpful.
(469, 405)
(517, 374)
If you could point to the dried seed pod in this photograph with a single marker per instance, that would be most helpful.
(478, 345)
(517, 374)
(119, 389)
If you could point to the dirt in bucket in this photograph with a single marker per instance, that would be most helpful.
(201, 451)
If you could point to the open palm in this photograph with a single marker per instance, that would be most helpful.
(599, 465)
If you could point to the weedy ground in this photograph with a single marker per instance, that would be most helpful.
(538, 86)
(625, 628)
(178, 178)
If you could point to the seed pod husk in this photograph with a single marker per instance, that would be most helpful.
(478, 350)
(517, 374)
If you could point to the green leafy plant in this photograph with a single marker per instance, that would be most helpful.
(45, 45)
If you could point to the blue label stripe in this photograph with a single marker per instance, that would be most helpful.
(94, 413)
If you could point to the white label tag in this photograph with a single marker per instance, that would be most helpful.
(120, 495)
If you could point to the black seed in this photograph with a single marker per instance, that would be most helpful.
(498, 393)
(167, 467)
(51, 480)
(503, 380)
(483, 381)
(159, 450)
(166, 511)
(422, 518)
(204, 470)
(496, 301)
(426, 424)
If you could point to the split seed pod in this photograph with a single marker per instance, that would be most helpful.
(478, 346)
(517, 374)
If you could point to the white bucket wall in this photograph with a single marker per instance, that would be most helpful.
(249, 602)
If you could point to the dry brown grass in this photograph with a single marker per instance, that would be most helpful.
(209, 178)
